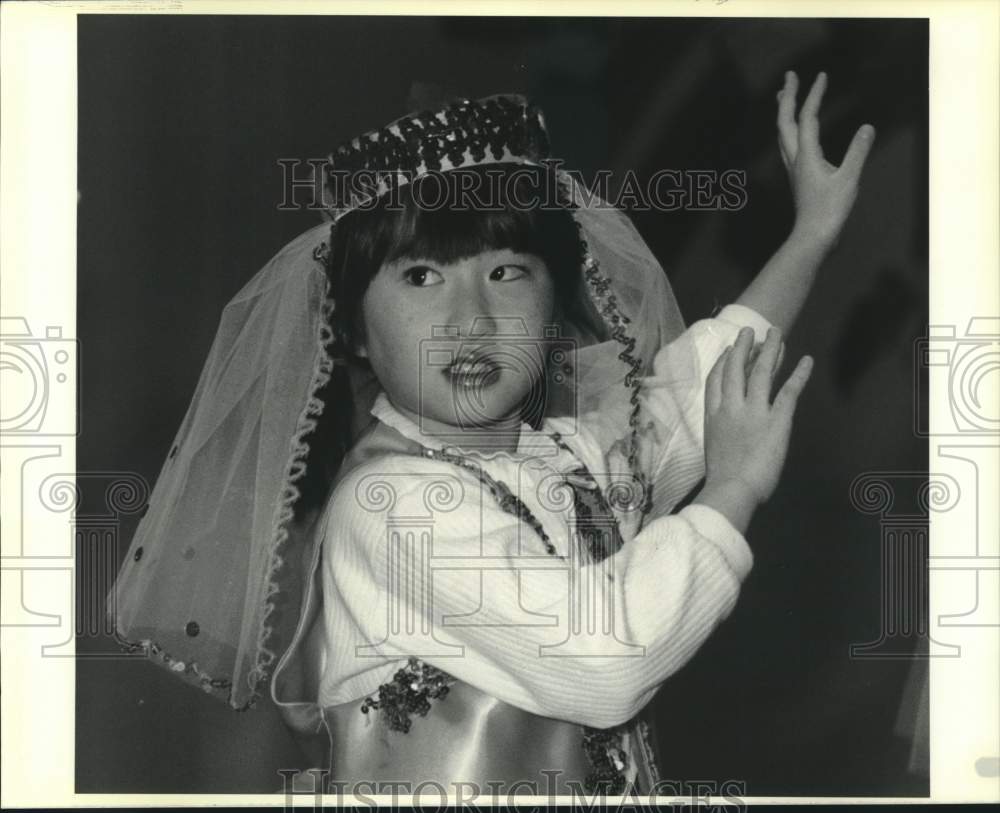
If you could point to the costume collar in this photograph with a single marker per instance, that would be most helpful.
(531, 443)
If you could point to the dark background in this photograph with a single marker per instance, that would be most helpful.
(181, 123)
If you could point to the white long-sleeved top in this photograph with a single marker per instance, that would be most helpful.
(418, 559)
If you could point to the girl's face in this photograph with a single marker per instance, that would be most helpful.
(447, 341)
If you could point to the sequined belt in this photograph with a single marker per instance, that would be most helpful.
(474, 739)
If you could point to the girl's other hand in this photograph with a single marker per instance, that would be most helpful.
(746, 435)
(824, 194)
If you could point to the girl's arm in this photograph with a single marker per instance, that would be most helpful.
(666, 591)
(824, 195)
(778, 292)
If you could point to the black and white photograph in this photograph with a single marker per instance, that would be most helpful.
(489, 408)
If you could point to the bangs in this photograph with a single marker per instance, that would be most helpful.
(447, 236)
(447, 217)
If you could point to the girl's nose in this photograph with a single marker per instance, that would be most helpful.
(472, 310)
(483, 324)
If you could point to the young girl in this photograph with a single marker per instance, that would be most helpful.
(426, 481)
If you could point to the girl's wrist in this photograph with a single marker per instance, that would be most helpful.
(735, 499)
(812, 238)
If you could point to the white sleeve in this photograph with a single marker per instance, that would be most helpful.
(673, 399)
(666, 590)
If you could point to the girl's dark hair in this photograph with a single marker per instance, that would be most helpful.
(447, 217)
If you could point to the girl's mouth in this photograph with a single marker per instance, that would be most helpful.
(473, 374)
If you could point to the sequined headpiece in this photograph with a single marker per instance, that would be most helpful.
(505, 128)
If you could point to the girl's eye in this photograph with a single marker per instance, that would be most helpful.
(507, 273)
(421, 276)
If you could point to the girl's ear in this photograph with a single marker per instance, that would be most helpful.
(360, 350)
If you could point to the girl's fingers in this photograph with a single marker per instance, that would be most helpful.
(734, 380)
(788, 395)
(857, 152)
(713, 385)
(759, 386)
(809, 118)
(788, 135)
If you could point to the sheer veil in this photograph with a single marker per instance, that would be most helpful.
(212, 586)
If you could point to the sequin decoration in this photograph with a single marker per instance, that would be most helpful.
(410, 692)
(502, 128)
(506, 499)
(596, 527)
(608, 760)
(617, 321)
(205, 681)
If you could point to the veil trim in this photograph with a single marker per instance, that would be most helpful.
(265, 657)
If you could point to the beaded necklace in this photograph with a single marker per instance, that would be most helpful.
(579, 478)
(413, 687)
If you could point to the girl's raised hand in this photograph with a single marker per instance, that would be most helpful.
(824, 194)
(746, 435)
